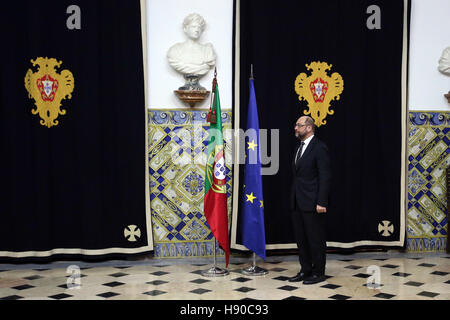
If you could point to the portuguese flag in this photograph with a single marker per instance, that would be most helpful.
(215, 202)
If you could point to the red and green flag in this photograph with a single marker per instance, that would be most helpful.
(215, 202)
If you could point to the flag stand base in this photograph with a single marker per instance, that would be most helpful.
(254, 270)
(215, 271)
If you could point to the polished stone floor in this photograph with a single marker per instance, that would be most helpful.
(362, 276)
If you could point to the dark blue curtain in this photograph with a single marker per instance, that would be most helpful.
(364, 135)
(75, 185)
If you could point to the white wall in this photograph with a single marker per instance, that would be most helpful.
(164, 29)
(430, 35)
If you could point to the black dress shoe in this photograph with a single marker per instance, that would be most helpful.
(314, 279)
(299, 277)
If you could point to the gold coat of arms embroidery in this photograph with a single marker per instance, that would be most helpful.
(48, 89)
(319, 90)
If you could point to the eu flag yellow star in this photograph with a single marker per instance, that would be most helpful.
(250, 197)
(252, 145)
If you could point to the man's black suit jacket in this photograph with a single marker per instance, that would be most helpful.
(311, 177)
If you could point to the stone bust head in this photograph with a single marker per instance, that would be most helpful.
(191, 57)
(194, 25)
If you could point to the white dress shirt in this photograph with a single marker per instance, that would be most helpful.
(306, 142)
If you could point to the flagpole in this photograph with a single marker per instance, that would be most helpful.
(254, 270)
(215, 271)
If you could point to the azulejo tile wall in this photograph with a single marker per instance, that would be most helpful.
(428, 159)
(177, 153)
(178, 145)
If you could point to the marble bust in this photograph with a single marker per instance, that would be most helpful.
(444, 62)
(191, 58)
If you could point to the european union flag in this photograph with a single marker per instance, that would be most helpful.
(252, 226)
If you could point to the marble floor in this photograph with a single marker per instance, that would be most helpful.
(360, 276)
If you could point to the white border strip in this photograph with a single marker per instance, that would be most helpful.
(403, 175)
(236, 117)
(148, 215)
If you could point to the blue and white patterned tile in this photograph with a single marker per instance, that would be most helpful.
(429, 157)
(177, 157)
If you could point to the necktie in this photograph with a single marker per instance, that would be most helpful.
(299, 152)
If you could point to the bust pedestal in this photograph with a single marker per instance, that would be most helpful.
(191, 92)
(192, 96)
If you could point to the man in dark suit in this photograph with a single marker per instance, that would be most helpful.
(309, 201)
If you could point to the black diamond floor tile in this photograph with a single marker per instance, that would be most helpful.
(23, 287)
(244, 289)
(428, 265)
(154, 293)
(60, 296)
(200, 291)
(118, 274)
(330, 286)
(339, 297)
(428, 294)
(391, 266)
(287, 288)
(294, 298)
(242, 279)
(353, 267)
(162, 265)
(199, 272)
(159, 273)
(42, 269)
(113, 284)
(361, 275)
(413, 284)
(401, 274)
(13, 297)
(440, 273)
(281, 278)
(33, 277)
(156, 282)
(200, 281)
(384, 295)
(108, 294)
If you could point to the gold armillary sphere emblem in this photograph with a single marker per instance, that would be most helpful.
(319, 90)
(48, 88)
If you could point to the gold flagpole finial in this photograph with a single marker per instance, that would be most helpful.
(212, 117)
